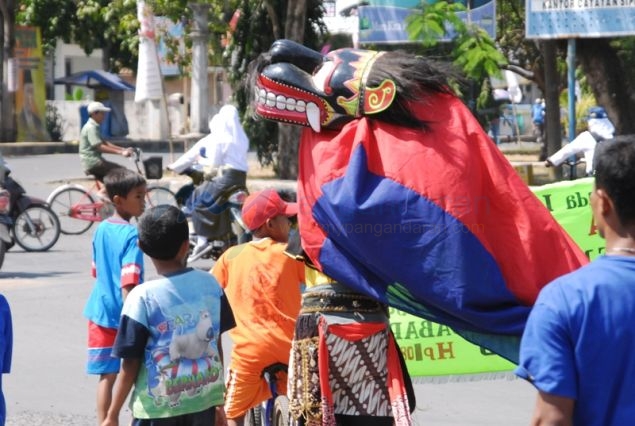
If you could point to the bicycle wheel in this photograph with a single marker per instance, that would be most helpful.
(36, 228)
(158, 195)
(61, 204)
(254, 416)
(281, 411)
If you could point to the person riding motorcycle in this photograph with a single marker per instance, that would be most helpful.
(225, 149)
(5, 207)
(600, 129)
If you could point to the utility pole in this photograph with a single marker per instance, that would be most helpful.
(199, 91)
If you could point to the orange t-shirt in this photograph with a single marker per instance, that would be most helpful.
(262, 285)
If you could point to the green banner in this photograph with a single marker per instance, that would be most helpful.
(431, 349)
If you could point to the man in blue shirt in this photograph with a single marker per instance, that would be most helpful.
(577, 348)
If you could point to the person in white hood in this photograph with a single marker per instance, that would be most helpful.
(224, 149)
(600, 128)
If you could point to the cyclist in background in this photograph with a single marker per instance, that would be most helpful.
(600, 128)
(92, 146)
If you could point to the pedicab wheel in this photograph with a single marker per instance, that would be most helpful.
(254, 416)
(36, 228)
(158, 195)
(62, 204)
(281, 411)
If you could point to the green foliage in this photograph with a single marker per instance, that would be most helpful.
(77, 95)
(92, 24)
(476, 54)
(54, 17)
(510, 36)
(112, 25)
(432, 22)
(473, 50)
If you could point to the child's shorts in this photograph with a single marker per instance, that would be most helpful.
(202, 418)
(248, 389)
(100, 343)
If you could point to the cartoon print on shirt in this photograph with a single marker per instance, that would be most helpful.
(188, 363)
(194, 344)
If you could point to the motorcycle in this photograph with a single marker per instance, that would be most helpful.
(32, 223)
(5, 223)
(229, 204)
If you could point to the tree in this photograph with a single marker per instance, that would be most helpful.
(289, 136)
(54, 17)
(605, 62)
(92, 24)
(471, 49)
(260, 24)
(610, 78)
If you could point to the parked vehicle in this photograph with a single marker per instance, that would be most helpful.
(35, 227)
(5, 223)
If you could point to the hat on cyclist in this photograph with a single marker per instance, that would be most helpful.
(597, 112)
(264, 205)
(97, 106)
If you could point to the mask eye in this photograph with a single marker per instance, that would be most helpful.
(322, 75)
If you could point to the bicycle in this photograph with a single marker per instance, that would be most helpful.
(276, 408)
(570, 169)
(78, 208)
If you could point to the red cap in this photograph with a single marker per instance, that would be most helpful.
(263, 205)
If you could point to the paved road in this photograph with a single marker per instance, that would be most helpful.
(47, 385)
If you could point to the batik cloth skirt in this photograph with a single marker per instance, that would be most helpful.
(345, 362)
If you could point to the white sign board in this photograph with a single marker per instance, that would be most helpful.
(549, 19)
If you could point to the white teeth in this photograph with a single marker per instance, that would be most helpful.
(271, 100)
(313, 116)
(281, 102)
(290, 104)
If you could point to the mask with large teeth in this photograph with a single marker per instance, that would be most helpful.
(301, 86)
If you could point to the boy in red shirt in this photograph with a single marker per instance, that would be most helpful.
(263, 286)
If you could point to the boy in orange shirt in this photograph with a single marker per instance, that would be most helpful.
(262, 285)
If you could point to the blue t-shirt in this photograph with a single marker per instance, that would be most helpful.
(6, 349)
(538, 113)
(117, 262)
(174, 324)
(579, 341)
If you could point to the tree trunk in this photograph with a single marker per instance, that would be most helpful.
(552, 107)
(289, 136)
(606, 75)
(273, 16)
(7, 99)
(296, 19)
(105, 57)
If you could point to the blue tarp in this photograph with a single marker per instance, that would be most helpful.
(96, 79)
